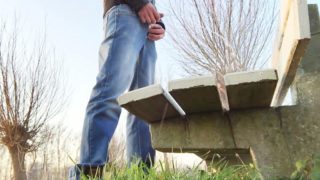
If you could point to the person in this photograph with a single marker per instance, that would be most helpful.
(127, 59)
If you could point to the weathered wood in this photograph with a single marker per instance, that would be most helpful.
(293, 39)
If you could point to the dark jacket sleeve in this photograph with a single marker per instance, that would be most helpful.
(136, 5)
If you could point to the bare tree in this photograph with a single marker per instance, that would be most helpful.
(30, 96)
(53, 158)
(223, 36)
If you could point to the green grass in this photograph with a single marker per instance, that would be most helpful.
(308, 168)
(215, 172)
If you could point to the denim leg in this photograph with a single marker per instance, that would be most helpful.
(138, 133)
(125, 37)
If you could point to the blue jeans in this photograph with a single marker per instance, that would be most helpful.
(127, 60)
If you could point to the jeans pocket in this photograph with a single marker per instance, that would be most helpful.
(110, 11)
(110, 22)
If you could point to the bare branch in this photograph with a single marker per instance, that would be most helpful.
(30, 95)
(223, 36)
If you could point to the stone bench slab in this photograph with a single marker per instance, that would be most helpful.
(195, 95)
(210, 133)
(201, 131)
(252, 89)
(148, 103)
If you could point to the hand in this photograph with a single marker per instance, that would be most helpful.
(156, 32)
(149, 14)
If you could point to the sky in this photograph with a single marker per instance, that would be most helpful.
(74, 29)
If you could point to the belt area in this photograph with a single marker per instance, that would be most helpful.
(117, 2)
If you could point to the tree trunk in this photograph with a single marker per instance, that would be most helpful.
(17, 159)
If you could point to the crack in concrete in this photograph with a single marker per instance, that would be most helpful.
(231, 129)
